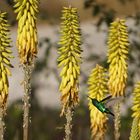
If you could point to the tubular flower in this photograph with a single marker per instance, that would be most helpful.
(135, 133)
(136, 101)
(117, 56)
(97, 89)
(69, 57)
(5, 55)
(136, 111)
(27, 33)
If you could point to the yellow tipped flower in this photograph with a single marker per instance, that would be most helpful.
(69, 57)
(5, 55)
(136, 101)
(27, 33)
(97, 89)
(135, 133)
(135, 130)
(117, 55)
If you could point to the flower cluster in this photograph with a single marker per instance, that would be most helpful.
(135, 130)
(97, 89)
(27, 33)
(117, 55)
(5, 55)
(69, 57)
(136, 101)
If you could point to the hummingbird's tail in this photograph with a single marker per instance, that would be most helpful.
(109, 112)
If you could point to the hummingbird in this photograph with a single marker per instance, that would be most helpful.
(100, 105)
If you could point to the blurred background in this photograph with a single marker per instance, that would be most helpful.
(95, 17)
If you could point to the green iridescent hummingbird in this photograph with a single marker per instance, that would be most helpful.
(100, 105)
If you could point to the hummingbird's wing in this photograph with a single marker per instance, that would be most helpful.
(107, 98)
(113, 101)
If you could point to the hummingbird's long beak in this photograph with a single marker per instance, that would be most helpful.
(89, 97)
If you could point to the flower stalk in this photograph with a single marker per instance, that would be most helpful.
(68, 126)
(117, 121)
(26, 99)
(69, 59)
(118, 46)
(27, 47)
(2, 124)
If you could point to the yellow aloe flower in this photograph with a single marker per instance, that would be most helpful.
(97, 89)
(136, 101)
(5, 55)
(27, 33)
(117, 55)
(136, 104)
(69, 57)
(135, 130)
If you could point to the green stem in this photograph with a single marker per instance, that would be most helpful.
(26, 99)
(117, 123)
(68, 126)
